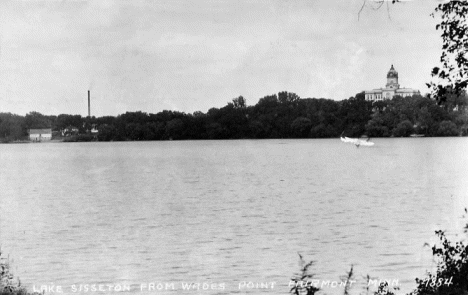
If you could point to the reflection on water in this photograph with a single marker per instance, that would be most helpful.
(227, 212)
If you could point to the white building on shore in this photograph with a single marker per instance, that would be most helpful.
(391, 89)
(40, 134)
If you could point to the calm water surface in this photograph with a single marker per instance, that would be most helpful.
(224, 212)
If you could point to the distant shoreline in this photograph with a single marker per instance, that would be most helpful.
(226, 139)
(285, 115)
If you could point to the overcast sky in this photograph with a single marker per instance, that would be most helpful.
(190, 55)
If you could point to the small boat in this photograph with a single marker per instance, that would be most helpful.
(356, 141)
(417, 135)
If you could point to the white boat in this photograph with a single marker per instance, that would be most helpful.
(356, 141)
(347, 139)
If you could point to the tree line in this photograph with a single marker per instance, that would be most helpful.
(282, 115)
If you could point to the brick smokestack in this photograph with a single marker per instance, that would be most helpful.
(89, 104)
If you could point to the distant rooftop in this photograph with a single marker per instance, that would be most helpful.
(40, 131)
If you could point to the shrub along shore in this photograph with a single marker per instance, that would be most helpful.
(282, 115)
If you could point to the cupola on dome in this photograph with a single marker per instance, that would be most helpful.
(392, 73)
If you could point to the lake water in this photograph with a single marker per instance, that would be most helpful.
(227, 212)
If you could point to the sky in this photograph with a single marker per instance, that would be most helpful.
(192, 55)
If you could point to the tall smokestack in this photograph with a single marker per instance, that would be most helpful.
(89, 104)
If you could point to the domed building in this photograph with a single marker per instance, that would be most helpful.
(391, 89)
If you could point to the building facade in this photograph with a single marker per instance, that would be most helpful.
(40, 134)
(391, 89)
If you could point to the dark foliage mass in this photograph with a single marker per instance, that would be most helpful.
(451, 275)
(9, 284)
(452, 270)
(282, 115)
(451, 75)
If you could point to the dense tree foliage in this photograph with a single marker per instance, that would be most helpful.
(282, 115)
(452, 75)
(452, 270)
(11, 127)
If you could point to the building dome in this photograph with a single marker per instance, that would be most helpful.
(392, 73)
(391, 89)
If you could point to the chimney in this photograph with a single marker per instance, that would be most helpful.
(89, 104)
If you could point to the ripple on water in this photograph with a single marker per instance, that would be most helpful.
(227, 210)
